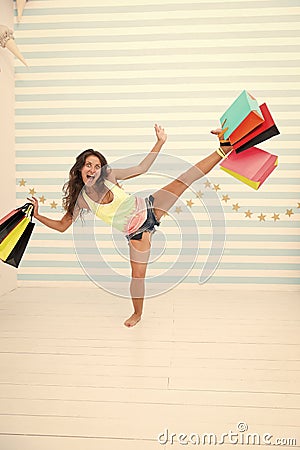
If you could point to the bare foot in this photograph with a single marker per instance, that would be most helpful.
(133, 320)
(218, 131)
(226, 147)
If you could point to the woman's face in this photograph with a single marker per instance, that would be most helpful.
(91, 170)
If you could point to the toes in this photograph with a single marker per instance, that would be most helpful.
(217, 131)
(132, 321)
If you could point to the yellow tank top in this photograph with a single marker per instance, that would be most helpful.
(125, 212)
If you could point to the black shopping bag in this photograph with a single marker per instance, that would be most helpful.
(15, 256)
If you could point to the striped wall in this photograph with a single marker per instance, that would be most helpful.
(102, 73)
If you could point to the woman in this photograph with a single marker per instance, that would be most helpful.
(93, 185)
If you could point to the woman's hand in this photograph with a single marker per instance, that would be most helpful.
(160, 133)
(35, 203)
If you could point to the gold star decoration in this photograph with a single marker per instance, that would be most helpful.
(164, 214)
(42, 199)
(236, 207)
(53, 205)
(262, 217)
(32, 191)
(225, 198)
(275, 217)
(22, 182)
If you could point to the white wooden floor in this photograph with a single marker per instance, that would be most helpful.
(74, 378)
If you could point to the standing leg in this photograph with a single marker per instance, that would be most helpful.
(165, 198)
(139, 256)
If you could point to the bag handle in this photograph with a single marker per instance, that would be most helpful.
(24, 207)
(27, 209)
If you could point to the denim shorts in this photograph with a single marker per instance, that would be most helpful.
(148, 225)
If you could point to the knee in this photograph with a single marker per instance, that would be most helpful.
(138, 273)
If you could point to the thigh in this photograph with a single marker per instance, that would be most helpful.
(166, 197)
(140, 252)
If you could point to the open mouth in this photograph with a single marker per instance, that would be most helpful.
(91, 178)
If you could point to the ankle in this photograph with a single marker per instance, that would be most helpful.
(226, 149)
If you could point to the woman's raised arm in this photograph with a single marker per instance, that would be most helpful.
(146, 163)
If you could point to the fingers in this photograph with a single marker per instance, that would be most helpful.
(32, 199)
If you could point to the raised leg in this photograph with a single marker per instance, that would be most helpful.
(165, 198)
(139, 256)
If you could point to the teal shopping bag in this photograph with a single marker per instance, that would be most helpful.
(242, 116)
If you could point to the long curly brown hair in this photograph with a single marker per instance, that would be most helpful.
(72, 188)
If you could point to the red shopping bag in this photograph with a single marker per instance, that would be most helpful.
(261, 133)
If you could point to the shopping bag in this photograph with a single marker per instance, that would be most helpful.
(12, 238)
(15, 256)
(12, 213)
(261, 133)
(9, 222)
(241, 117)
(252, 166)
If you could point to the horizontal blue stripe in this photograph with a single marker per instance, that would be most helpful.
(66, 167)
(186, 228)
(165, 265)
(158, 94)
(58, 54)
(34, 167)
(90, 39)
(262, 195)
(120, 138)
(202, 237)
(259, 252)
(282, 153)
(136, 110)
(224, 181)
(47, 166)
(125, 124)
(153, 80)
(266, 209)
(151, 178)
(254, 222)
(80, 23)
(34, 11)
(168, 66)
(242, 223)
(190, 279)
(284, 221)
